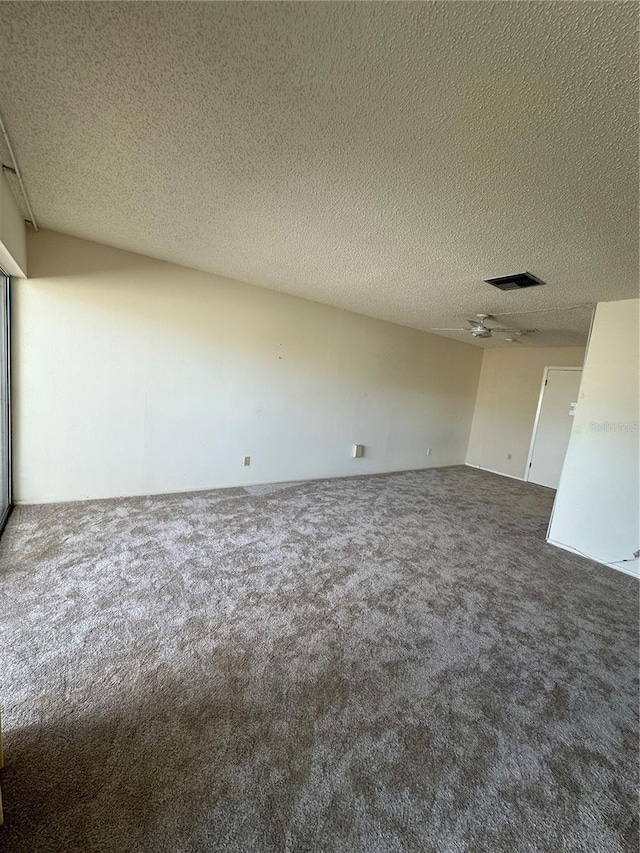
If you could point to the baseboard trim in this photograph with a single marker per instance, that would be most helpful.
(616, 566)
(491, 471)
(229, 486)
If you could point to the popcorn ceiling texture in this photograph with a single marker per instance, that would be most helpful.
(391, 664)
(383, 158)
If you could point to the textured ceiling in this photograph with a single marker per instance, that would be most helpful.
(381, 157)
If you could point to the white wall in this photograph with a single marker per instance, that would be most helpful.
(505, 412)
(13, 241)
(134, 376)
(596, 510)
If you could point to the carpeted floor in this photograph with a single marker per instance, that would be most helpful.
(381, 664)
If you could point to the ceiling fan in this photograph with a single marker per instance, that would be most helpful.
(479, 329)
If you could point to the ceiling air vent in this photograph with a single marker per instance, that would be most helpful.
(515, 282)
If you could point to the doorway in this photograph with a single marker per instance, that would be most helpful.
(552, 427)
(5, 404)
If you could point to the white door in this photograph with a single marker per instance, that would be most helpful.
(555, 418)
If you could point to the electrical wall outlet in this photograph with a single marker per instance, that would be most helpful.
(358, 451)
(428, 451)
(246, 461)
(509, 455)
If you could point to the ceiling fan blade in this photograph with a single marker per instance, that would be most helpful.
(450, 330)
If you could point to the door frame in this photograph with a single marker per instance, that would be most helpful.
(6, 377)
(536, 422)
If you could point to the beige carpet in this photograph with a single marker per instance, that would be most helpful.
(384, 664)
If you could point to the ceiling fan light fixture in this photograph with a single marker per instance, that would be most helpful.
(478, 329)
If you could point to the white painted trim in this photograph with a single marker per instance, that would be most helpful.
(491, 471)
(537, 417)
(616, 566)
(227, 486)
